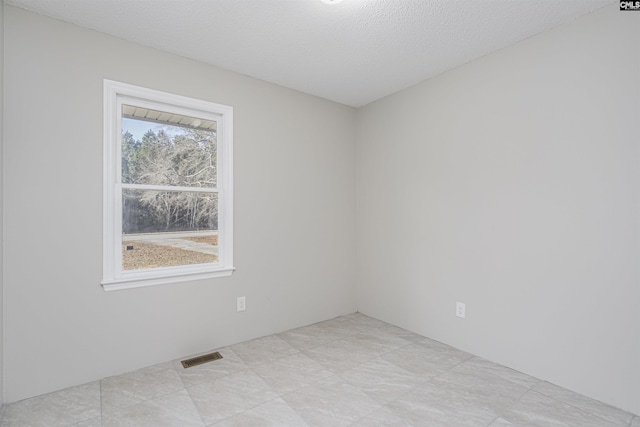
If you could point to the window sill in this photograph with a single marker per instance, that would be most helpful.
(141, 282)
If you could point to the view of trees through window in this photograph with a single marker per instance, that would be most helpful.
(169, 202)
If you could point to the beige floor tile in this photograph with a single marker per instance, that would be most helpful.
(347, 353)
(381, 380)
(344, 354)
(483, 365)
(364, 322)
(430, 405)
(230, 395)
(331, 402)
(275, 413)
(314, 336)
(174, 409)
(344, 323)
(135, 387)
(437, 350)
(482, 388)
(65, 407)
(383, 418)
(402, 333)
(94, 422)
(538, 410)
(377, 338)
(420, 362)
(592, 406)
(501, 422)
(291, 373)
(263, 350)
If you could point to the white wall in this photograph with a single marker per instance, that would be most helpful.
(511, 184)
(1, 193)
(294, 212)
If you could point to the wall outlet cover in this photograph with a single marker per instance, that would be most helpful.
(461, 309)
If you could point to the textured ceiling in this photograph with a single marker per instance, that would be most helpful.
(353, 52)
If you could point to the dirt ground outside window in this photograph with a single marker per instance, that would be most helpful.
(153, 255)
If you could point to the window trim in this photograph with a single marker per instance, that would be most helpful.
(115, 93)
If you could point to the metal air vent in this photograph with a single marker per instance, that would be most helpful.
(199, 360)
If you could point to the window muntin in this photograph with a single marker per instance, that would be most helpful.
(168, 188)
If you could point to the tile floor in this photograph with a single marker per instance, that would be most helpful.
(348, 371)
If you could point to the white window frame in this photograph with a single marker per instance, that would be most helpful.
(115, 94)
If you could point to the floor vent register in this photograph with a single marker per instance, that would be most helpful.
(199, 360)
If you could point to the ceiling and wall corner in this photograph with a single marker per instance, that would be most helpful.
(353, 52)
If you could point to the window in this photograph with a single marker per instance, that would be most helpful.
(168, 190)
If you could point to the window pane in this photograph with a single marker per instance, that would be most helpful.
(165, 228)
(163, 154)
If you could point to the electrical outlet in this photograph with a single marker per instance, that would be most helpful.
(241, 304)
(460, 309)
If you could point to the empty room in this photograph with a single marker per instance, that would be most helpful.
(320, 213)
